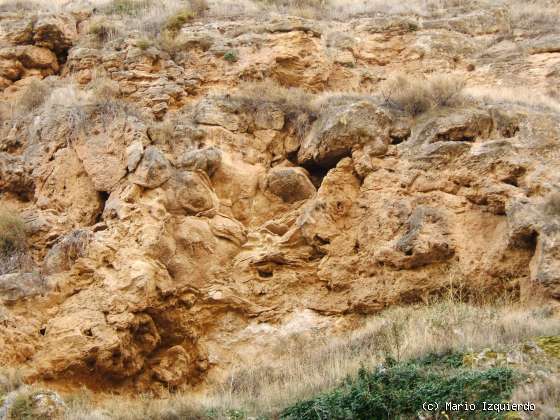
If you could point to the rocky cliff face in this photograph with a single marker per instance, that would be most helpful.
(182, 219)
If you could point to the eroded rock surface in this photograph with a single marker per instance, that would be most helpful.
(180, 227)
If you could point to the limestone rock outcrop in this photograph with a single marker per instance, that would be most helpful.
(177, 205)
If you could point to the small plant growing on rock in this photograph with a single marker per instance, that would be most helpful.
(10, 380)
(176, 21)
(12, 232)
(415, 96)
(104, 89)
(101, 30)
(231, 56)
(304, 8)
(143, 44)
(34, 95)
(13, 245)
(127, 7)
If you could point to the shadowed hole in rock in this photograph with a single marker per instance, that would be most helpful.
(103, 197)
(529, 242)
(91, 362)
(321, 241)
(265, 272)
(316, 173)
(511, 181)
(43, 331)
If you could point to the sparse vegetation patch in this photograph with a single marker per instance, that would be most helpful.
(415, 96)
(12, 232)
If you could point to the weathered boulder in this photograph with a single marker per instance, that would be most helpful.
(207, 160)
(102, 146)
(134, 154)
(15, 30)
(536, 225)
(290, 184)
(66, 251)
(27, 60)
(191, 192)
(219, 111)
(63, 184)
(174, 366)
(343, 127)
(153, 170)
(463, 125)
(15, 286)
(14, 177)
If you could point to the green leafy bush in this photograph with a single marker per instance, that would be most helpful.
(399, 390)
(231, 56)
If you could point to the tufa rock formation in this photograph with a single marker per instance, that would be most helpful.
(180, 226)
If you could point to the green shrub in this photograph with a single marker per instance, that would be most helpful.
(12, 232)
(399, 390)
(231, 56)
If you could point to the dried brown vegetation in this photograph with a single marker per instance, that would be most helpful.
(415, 96)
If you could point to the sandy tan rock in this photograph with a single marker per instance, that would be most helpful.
(57, 33)
(344, 127)
(207, 160)
(290, 184)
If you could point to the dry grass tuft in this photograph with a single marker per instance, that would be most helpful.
(297, 105)
(14, 254)
(104, 88)
(517, 95)
(13, 233)
(304, 8)
(32, 97)
(10, 380)
(536, 16)
(102, 30)
(176, 21)
(19, 5)
(545, 394)
(415, 96)
(127, 7)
